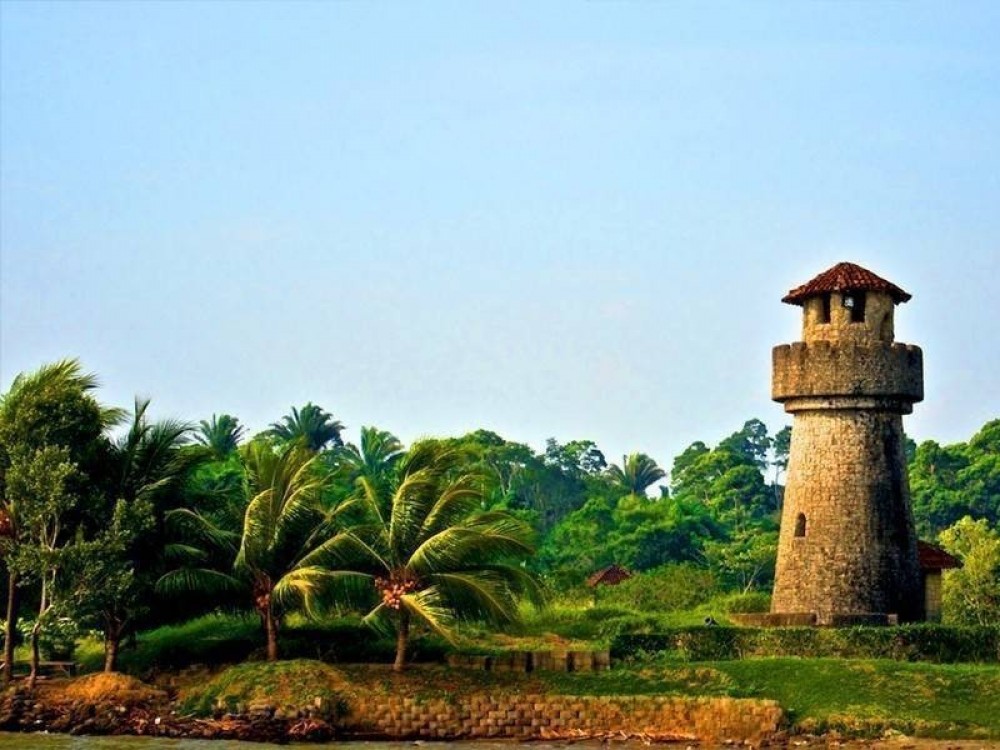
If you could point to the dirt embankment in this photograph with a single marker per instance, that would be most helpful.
(114, 704)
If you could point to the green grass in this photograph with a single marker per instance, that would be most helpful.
(941, 700)
(288, 685)
(857, 696)
(596, 624)
(211, 639)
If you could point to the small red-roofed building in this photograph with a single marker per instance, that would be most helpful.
(933, 560)
(609, 576)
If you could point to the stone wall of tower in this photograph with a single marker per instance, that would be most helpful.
(850, 369)
(857, 549)
(878, 324)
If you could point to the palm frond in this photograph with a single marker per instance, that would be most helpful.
(205, 580)
(455, 503)
(430, 607)
(346, 550)
(478, 540)
(317, 588)
(183, 554)
(480, 595)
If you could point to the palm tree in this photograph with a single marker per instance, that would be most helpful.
(636, 474)
(222, 435)
(147, 467)
(311, 425)
(432, 556)
(289, 548)
(375, 460)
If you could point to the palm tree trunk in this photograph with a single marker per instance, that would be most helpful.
(271, 630)
(10, 628)
(402, 639)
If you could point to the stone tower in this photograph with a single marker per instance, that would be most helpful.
(847, 551)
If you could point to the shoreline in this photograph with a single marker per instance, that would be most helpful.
(28, 712)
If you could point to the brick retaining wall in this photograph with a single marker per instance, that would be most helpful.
(548, 717)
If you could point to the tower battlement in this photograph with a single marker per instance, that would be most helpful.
(828, 369)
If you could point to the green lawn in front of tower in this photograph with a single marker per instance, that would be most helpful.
(868, 696)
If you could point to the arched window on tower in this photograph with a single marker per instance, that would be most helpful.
(800, 525)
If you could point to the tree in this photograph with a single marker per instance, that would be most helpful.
(782, 448)
(311, 425)
(375, 460)
(147, 468)
(222, 435)
(971, 594)
(52, 407)
(746, 560)
(289, 549)
(683, 463)
(38, 485)
(751, 443)
(646, 533)
(433, 556)
(952, 481)
(636, 474)
(575, 457)
(103, 581)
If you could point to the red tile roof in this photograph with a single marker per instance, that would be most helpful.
(845, 277)
(933, 557)
(609, 576)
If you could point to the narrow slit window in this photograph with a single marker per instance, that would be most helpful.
(800, 525)
(824, 310)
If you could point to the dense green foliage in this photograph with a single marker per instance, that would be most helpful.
(950, 482)
(157, 522)
(972, 596)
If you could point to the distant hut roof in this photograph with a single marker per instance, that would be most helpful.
(934, 558)
(609, 576)
(845, 277)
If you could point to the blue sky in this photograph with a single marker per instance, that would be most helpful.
(561, 219)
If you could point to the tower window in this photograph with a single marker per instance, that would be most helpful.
(800, 525)
(824, 310)
(855, 302)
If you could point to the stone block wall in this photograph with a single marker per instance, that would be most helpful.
(526, 717)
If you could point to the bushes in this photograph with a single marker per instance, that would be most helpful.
(748, 602)
(56, 639)
(667, 589)
(923, 642)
